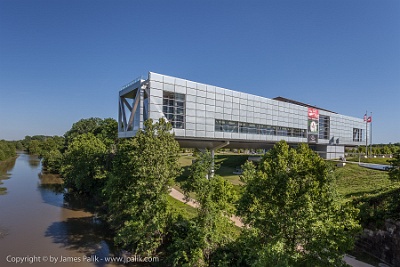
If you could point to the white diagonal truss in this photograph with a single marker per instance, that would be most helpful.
(133, 108)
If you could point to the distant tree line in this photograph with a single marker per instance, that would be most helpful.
(7, 150)
(379, 149)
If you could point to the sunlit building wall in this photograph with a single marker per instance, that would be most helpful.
(207, 116)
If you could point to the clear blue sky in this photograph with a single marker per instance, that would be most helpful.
(61, 61)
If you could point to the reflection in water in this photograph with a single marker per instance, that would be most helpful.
(5, 167)
(33, 161)
(51, 188)
(36, 218)
(87, 234)
(82, 235)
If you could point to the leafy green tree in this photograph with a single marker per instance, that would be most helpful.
(7, 149)
(394, 171)
(138, 186)
(34, 147)
(84, 165)
(52, 161)
(106, 130)
(19, 145)
(83, 126)
(51, 153)
(211, 228)
(296, 218)
(52, 143)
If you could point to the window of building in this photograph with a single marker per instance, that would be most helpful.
(324, 127)
(226, 126)
(174, 109)
(252, 128)
(357, 135)
(282, 131)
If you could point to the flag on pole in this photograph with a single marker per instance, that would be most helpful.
(365, 117)
(369, 119)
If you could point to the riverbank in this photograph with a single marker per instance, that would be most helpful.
(35, 219)
(5, 167)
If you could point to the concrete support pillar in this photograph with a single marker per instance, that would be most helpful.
(212, 162)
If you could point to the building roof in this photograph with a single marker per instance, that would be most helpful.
(287, 100)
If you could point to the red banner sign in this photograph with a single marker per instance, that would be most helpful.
(313, 114)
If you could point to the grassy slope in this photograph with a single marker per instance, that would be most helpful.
(181, 208)
(354, 181)
(384, 161)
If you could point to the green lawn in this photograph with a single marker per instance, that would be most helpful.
(354, 181)
(227, 163)
(182, 208)
(371, 160)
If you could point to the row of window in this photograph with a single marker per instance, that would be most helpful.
(253, 128)
(174, 109)
(357, 135)
(324, 125)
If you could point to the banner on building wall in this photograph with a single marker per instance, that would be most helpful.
(313, 129)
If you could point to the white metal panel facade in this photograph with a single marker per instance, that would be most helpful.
(205, 104)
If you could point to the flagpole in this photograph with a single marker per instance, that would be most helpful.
(366, 135)
(370, 136)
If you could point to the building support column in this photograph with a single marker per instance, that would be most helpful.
(212, 150)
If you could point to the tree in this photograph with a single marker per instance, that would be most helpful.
(394, 171)
(106, 130)
(84, 166)
(296, 218)
(210, 229)
(52, 161)
(51, 153)
(7, 150)
(34, 147)
(83, 126)
(138, 186)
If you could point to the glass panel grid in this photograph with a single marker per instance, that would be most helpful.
(174, 109)
(324, 127)
(261, 129)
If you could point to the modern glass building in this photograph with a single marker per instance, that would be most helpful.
(207, 116)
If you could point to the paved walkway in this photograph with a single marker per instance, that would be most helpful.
(179, 196)
(355, 263)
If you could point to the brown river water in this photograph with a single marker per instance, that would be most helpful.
(38, 227)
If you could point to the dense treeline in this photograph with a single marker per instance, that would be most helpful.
(129, 179)
(288, 200)
(7, 150)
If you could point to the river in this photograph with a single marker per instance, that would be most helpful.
(40, 228)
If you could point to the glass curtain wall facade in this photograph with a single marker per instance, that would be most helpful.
(324, 127)
(174, 109)
(253, 128)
